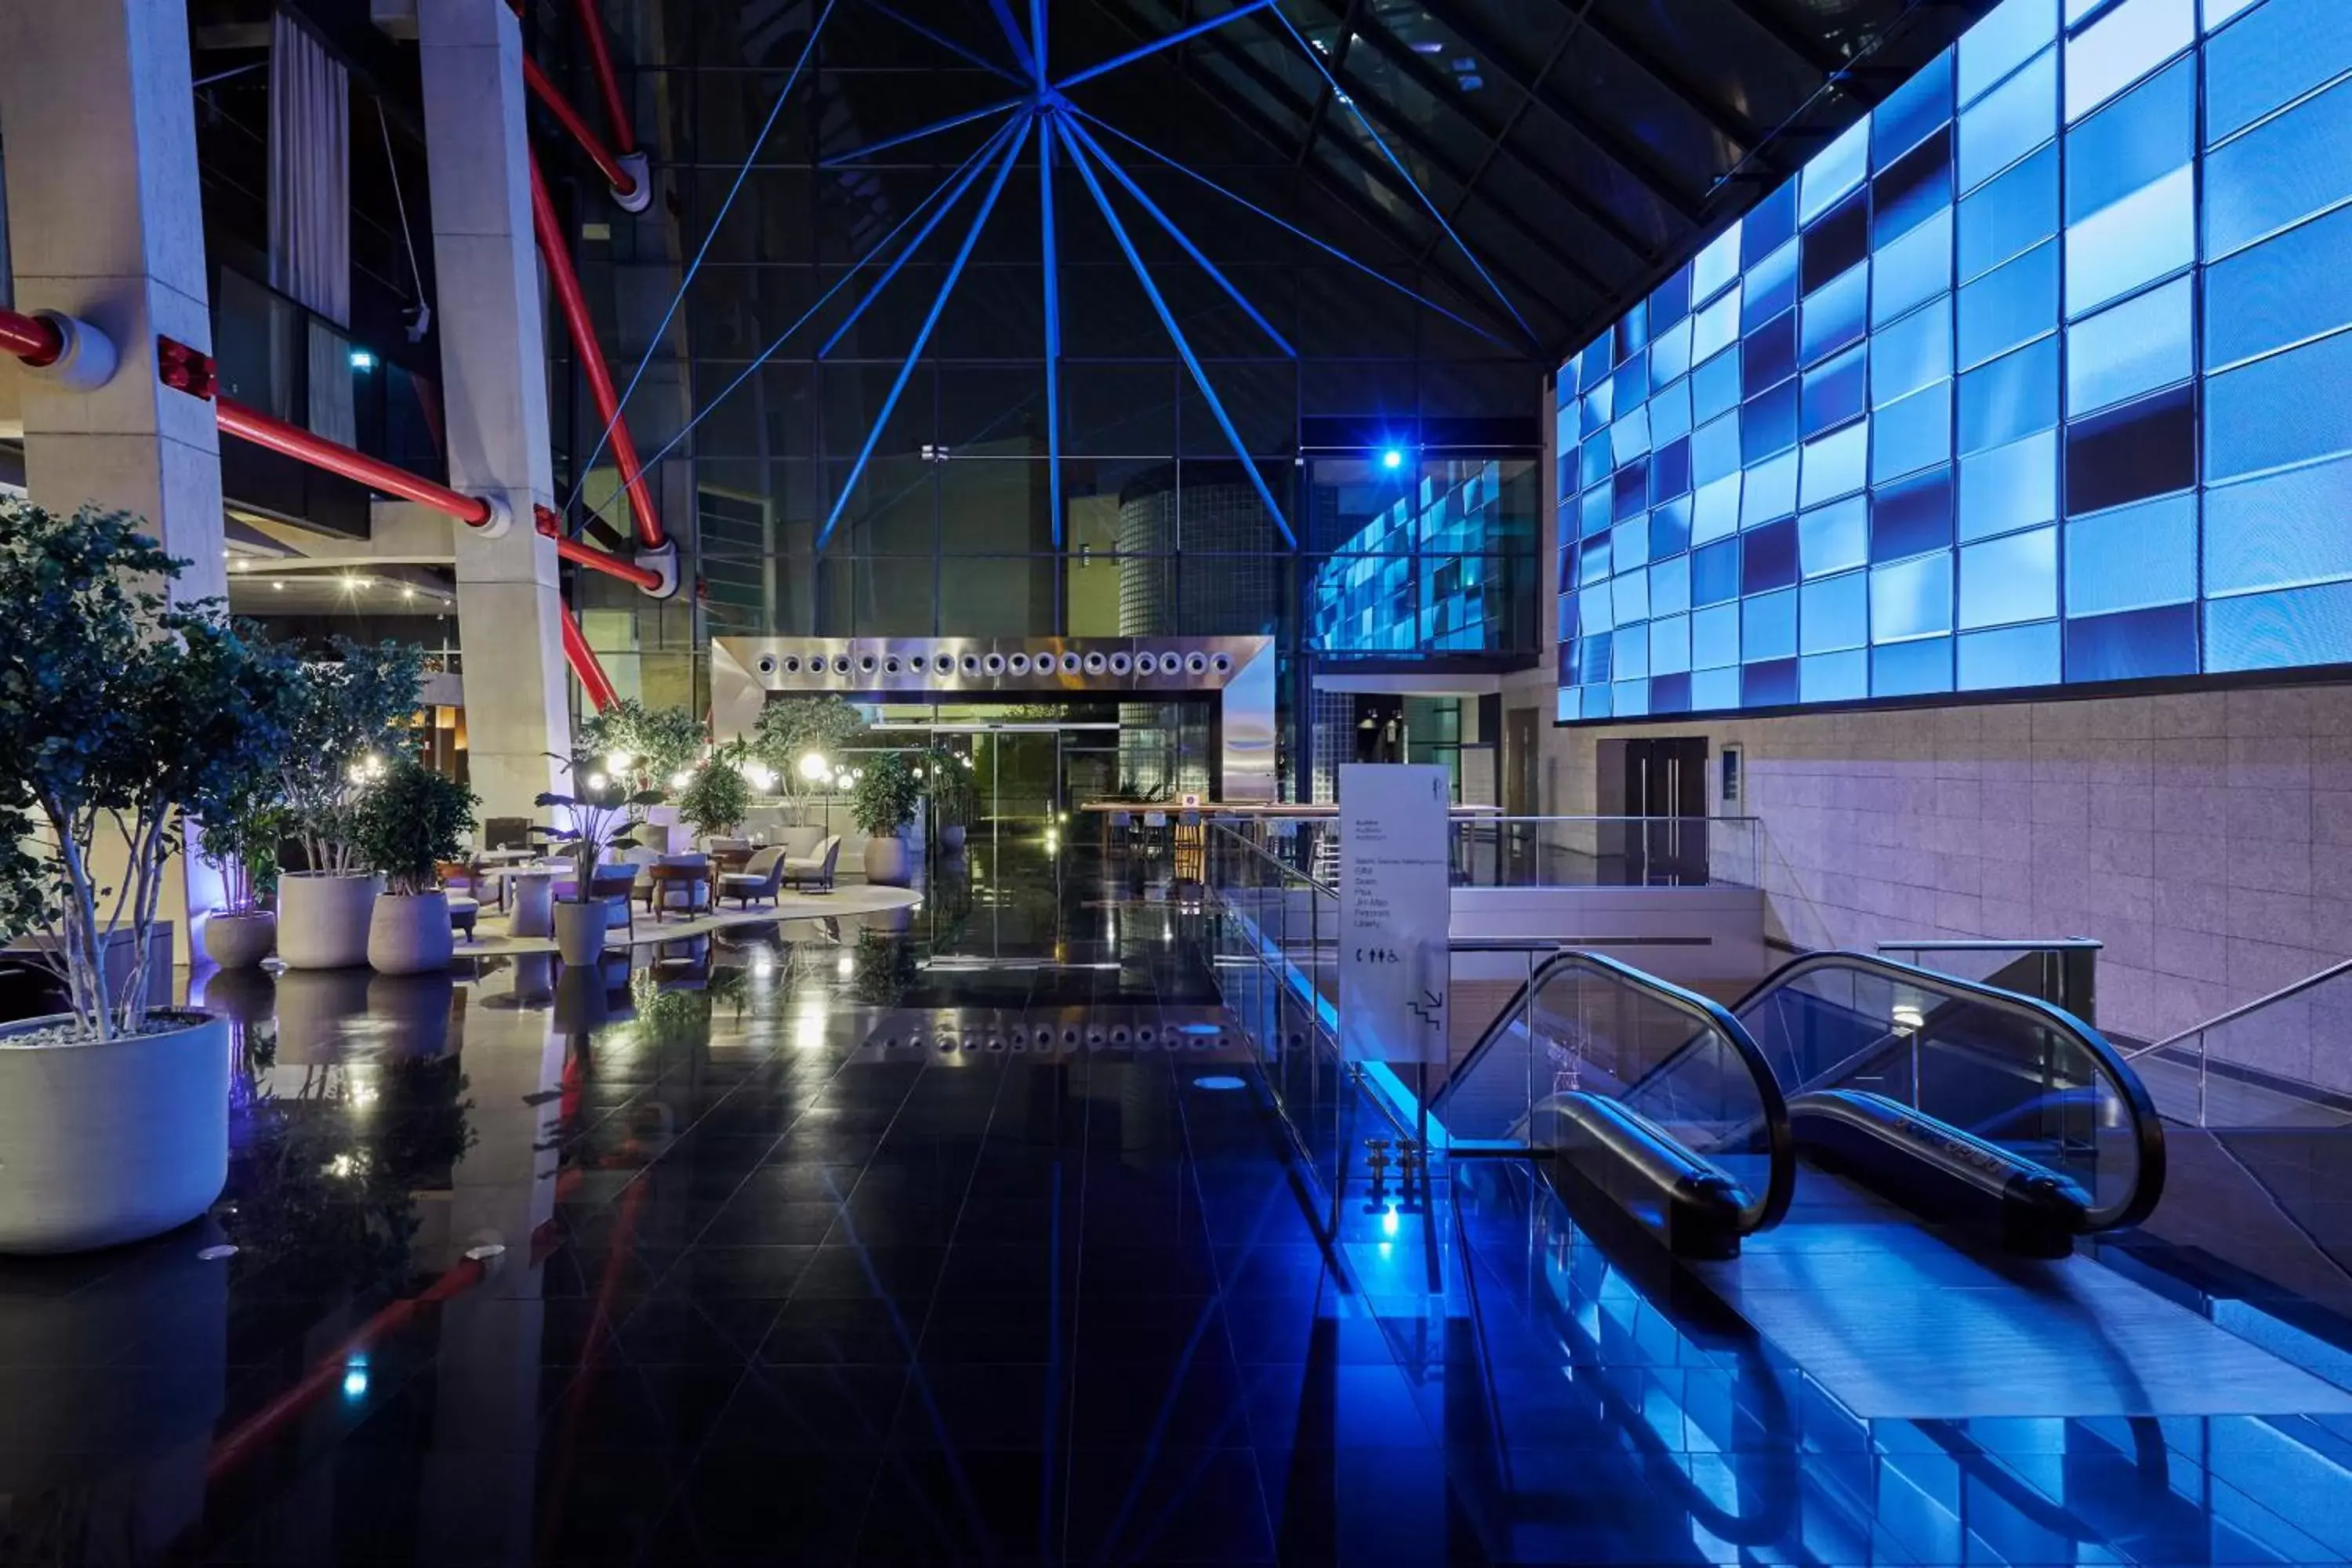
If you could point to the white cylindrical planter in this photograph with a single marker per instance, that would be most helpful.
(410, 933)
(531, 896)
(887, 864)
(239, 938)
(580, 930)
(323, 917)
(110, 1142)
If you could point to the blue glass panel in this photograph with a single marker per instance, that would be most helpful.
(1834, 613)
(1715, 572)
(1670, 354)
(2133, 645)
(1716, 266)
(2141, 237)
(1912, 434)
(1770, 491)
(1834, 676)
(2011, 216)
(2014, 32)
(1769, 226)
(1670, 528)
(1916, 187)
(2011, 305)
(1670, 586)
(2009, 121)
(1834, 393)
(1911, 598)
(2133, 557)
(1596, 363)
(1670, 302)
(1908, 114)
(1630, 437)
(1670, 646)
(2010, 486)
(1670, 416)
(2279, 173)
(2010, 398)
(2284, 50)
(1771, 684)
(2127, 454)
(1834, 538)
(1912, 669)
(1629, 546)
(1715, 637)
(1592, 657)
(2218, 12)
(1768, 423)
(1594, 461)
(1669, 693)
(1715, 691)
(1832, 172)
(1594, 701)
(1769, 558)
(1569, 709)
(2281, 531)
(1768, 626)
(1670, 471)
(1912, 516)
(1715, 387)
(2132, 143)
(1715, 449)
(1716, 328)
(1835, 465)
(1769, 289)
(1840, 240)
(2130, 348)
(1913, 270)
(1836, 315)
(2289, 409)
(1630, 698)
(1593, 512)
(1594, 619)
(2122, 47)
(2013, 656)
(2280, 631)
(1633, 332)
(2013, 578)
(1629, 604)
(1716, 511)
(2294, 288)
(1631, 382)
(1911, 353)
(1769, 355)
(1631, 489)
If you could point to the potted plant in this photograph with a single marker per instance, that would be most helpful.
(407, 822)
(349, 717)
(239, 835)
(954, 799)
(716, 800)
(801, 740)
(645, 747)
(883, 803)
(123, 711)
(603, 811)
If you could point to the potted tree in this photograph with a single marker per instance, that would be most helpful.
(716, 800)
(123, 711)
(409, 820)
(239, 834)
(349, 718)
(883, 803)
(645, 747)
(603, 811)
(954, 800)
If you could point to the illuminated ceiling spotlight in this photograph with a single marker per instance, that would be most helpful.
(1391, 459)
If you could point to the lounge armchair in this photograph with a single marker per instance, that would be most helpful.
(613, 886)
(760, 879)
(813, 870)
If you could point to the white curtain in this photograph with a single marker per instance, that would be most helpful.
(309, 174)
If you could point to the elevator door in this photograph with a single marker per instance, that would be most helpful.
(1665, 787)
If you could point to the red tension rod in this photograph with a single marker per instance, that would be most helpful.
(577, 322)
(262, 430)
(629, 184)
(599, 59)
(36, 341)
(583, 660)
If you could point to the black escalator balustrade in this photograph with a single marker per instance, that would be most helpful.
(1568, 1069)
(1996, 1112)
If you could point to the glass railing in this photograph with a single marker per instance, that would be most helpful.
(2007, 1071)
(2062, 970)
(2253, 1067)
(1490, 851)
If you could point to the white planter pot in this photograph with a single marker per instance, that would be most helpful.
(952, 837)
(887, 864)
(580, 930)
(239, 940)
(323, 919)
(113, 1142)
(409, 933)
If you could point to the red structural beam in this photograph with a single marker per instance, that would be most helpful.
(583, 660)
(599, 59)
(623, 183)
(576, 320)
(254, 426)
(30, 339)
(582, 552)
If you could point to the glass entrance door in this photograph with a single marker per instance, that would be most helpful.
(1018, 772)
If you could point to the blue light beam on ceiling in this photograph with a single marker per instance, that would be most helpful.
(973, 56)
(1144, 51)
(858, 154)
(1023, 56)
(971, 173)
(1051, 247)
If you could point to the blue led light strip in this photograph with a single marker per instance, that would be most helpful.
(1176, 334)
(856, 154)
(930, 322)
(972, 171)
(982, 61)
(1052, 316)
(1023, 56)
(1142, 51)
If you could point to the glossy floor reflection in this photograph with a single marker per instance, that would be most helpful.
(977, 1241)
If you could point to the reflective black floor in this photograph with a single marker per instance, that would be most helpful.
(977, 1241)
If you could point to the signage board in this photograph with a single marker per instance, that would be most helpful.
(1395, 907)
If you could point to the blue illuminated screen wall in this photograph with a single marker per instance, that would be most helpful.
(2041, 374)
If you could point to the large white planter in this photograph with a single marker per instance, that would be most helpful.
(409, 933)
(239, 938)
(323, 917)
(110, 1142)
(887, 864)
(580, 931)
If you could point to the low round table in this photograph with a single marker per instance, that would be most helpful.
(531, 902)
(660, 879)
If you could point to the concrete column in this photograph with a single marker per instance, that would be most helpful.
(488, 318)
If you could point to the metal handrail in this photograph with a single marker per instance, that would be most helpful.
(1939, 944)
(2148, 1127)
(1277, 861)
(2234, 1013)
(1779, 1141)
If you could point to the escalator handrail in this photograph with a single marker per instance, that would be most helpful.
(1769, 1208)
(2147, 1126)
